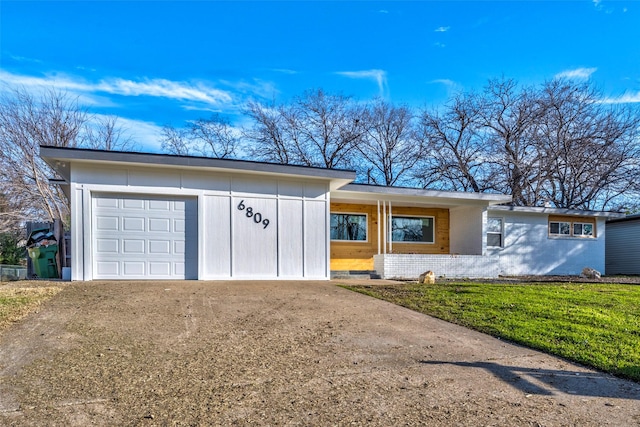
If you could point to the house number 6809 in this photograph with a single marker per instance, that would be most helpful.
(257, 216)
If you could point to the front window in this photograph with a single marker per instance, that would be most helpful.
(412, 229)
(494, 232)
(349, 227)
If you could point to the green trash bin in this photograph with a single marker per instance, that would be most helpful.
(44, 261)
(42, 248)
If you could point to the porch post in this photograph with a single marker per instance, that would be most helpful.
(384, 226)
(390, 229)
(378, 227)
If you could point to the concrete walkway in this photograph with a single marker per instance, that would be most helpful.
(280, 353)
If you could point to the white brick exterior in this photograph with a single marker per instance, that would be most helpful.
(410, 266)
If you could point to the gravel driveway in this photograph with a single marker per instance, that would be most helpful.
(280, 353)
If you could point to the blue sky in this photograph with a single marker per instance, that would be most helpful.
(154, 63)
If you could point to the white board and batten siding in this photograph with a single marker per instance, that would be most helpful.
(267, 229)
(157, 223)
(623, 247)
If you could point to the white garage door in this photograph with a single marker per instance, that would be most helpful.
(143, 237)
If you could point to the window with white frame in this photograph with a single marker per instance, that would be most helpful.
(569, 228)
(582, 229)
(495, 232)
(349, 227)
(559, 228)
(405, 229)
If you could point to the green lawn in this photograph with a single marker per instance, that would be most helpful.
(593, 324)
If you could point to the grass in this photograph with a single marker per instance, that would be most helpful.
(594, 324)
(17, 302)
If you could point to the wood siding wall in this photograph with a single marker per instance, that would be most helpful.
(359, 255)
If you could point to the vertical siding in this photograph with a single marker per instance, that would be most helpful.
(315, 242)
(622, 252)
(291, 255)
(216, 244)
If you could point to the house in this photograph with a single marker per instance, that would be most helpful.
(155, 216)
(622, 253)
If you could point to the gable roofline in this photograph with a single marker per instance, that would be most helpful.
(556, 211)
(60, 157)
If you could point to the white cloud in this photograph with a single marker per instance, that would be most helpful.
(442, 29)
(182, 91)
(440, 45)
(627, 98)
(578, 73)
(163, 88)
(383, 11)
(446, 82)
(284, 71)
(379, 76)
(147, 135)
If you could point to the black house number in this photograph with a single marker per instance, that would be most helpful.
(250, 213)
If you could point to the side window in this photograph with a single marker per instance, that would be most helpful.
(569, 228)
(495, 232)
(558, 228)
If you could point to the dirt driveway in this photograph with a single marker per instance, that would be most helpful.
(280, 353)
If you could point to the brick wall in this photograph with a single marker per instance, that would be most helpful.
(410, 266)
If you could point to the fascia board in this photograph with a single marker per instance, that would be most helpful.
(555, 211)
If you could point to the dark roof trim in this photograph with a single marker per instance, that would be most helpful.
(634, 217)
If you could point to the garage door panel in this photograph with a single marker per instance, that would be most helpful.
(160, 224)
(160, 268)
(108, 268)
(133, 224)
(133, 268)
(179, 247)
(133, 204)
(144, 237)
(107, 246)
(160, 247)
(159, 205)
(130, 246)
(107, 203)
(107, 223)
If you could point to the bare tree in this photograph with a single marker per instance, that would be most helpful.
(592, 151)
(389, 145)
(175, 141)
(268, 138)
(212, 137)
(105, 133)
(507, 115)
(26, 122)
(317, 129)
(454, 156)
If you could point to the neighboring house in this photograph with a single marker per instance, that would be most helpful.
(623, 246)
(153, 216)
